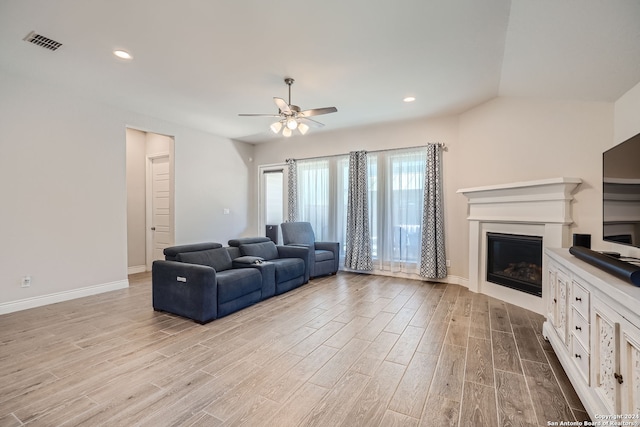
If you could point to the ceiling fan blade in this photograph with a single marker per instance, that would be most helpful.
(318, 111)
(260, 115)
(310, 122)
(282, 105)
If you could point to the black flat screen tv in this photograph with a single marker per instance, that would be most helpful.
(621, 193)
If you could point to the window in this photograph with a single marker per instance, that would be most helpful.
(319, 201)
(396, 181)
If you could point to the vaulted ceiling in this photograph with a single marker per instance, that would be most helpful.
(201, 62)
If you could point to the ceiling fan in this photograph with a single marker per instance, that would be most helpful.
(291, 118)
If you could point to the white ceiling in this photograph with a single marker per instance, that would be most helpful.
(201, 62)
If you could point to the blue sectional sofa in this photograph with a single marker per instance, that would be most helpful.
(205, 281)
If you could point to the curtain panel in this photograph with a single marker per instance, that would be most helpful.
(292, 191)
(432, 255)
(358, 238)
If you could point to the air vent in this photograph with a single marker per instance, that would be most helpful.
(42, 41)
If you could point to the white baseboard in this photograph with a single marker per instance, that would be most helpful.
(454, 280)
(136, 269)
(39, 301)
(457, 280)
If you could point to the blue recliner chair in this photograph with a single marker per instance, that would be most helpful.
(324, 256)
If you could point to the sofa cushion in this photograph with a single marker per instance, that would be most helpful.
(266, 250)
(297, 233)
(322, 255)
(171, 253)
(218, 258)
(247, 240)
(288, 268)
(235, 283)
(234, 252)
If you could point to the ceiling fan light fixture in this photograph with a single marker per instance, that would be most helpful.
(303, 128)
(290, 116)
(275, 128)
(292, 123)
(122, 54)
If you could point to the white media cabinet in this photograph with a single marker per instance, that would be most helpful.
(593, 325)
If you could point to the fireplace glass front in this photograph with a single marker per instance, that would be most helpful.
(515, 261)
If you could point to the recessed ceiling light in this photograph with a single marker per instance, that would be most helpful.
(409, 99)
(123, 54)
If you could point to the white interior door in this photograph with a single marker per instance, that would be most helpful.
(160, 214)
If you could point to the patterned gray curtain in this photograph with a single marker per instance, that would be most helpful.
(358, 239)
(432, 254)
(292, 194)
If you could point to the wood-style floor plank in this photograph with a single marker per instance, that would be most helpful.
(479, 367)
(412, 391)
(548, 401)
(514, 409)
(440, 412)
(350, 349)
(528, 344)
(478, 406)
(505, 352)
(449, 376)
(499, 316)
(370, 406)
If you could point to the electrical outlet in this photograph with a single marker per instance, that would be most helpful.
(448, 263)
(25, 282)
(225, 211)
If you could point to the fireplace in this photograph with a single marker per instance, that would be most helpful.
(531, 208)
(515, 261)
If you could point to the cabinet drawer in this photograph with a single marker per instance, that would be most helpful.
(580, 328)
(580, 299)
(581, 357)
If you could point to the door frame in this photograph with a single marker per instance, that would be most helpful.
(149, 203)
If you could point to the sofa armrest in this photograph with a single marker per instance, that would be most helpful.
(329, 246)
(303, 252)
(333, 247)
(188, 290)
(246, 260)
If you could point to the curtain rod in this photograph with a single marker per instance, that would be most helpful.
(439, 144)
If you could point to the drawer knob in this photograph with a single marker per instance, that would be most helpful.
(578, 299)
(580, 357)
(618, 377)
(578, 328)
(555, 300)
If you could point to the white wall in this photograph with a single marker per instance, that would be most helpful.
(64, 208)
(626, 125)
(627, 115)
(501, 141)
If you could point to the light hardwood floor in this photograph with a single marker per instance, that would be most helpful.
(342, 350)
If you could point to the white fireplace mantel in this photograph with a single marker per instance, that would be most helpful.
(541, 201)
(536, 208)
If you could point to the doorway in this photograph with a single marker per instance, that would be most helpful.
(273, 203)
(150, 198)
